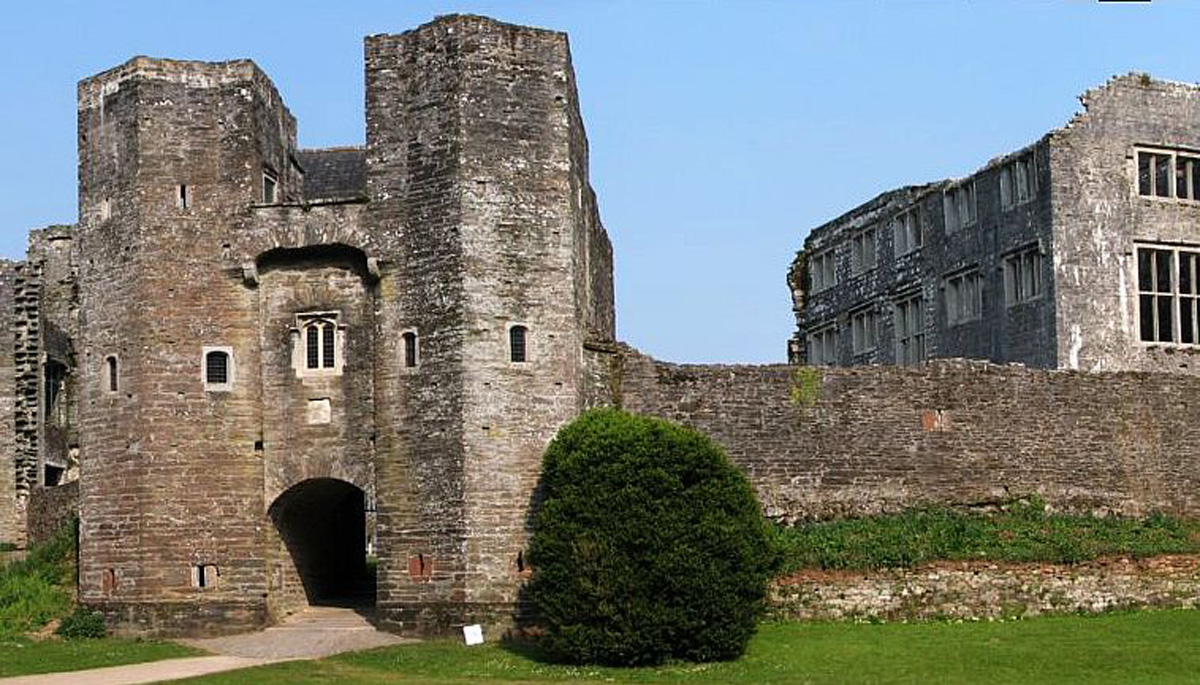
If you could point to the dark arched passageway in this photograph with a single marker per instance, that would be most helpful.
(322, 522)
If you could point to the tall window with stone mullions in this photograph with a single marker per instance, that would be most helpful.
(1167, 295)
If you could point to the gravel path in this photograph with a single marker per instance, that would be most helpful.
(313, 633)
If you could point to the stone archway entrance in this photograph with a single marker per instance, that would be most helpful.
(321, 523)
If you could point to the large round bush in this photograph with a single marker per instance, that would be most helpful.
(648, 545)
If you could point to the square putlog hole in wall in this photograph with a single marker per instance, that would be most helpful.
(319, 411)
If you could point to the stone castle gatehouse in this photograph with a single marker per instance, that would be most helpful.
(255, 363)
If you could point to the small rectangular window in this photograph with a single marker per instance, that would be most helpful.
(964, 298)
(205, 575)
(410, 349)
(270, 185)
(218, 369)
(1187, 177)
(1023, 275)
(821, 271)
(181, 199)
(111, 364)
(216, 366)
(516, 343)
(1162, 174)
(966, 203)
(909, 325)
(950, 209)
(863, 330)
(862, 251)
(54, 375)
(907, 234)
(822, 346)
(959, 206)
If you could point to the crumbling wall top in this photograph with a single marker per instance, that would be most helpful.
(192, 73)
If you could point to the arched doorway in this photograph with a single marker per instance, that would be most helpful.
(322, 524)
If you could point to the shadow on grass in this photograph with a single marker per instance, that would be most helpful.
(527, 647)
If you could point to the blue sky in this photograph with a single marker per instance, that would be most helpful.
(721, 132)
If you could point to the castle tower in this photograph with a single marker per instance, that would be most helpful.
(172, 157)
(276, 344)
(477, 177)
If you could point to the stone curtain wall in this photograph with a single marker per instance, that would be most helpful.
(822, 443)
(50, 509)
(975, 590)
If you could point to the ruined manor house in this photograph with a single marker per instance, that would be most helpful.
(248, 364)
(1079, 251)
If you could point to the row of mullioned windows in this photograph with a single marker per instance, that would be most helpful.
(908, 319)
(963, 298)
(907, 236)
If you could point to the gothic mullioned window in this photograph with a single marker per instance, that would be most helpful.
(317, 344)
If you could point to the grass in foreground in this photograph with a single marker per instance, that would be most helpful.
(21, 656)
(1024, 532)
(1147, 647)
(35, 590)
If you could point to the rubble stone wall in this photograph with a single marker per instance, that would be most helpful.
(824, 443)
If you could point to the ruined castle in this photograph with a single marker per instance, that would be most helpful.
(249, 363)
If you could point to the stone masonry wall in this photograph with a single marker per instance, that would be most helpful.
(50, 509)
(171, 477)
(525, 231)
(12, 528)
(476, 172)
(822, 443)
(1100, 218)
(413, 152)
(980, 590)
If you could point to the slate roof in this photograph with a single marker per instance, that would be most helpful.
(334, 173)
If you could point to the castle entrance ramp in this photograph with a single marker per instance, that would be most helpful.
(321, 524)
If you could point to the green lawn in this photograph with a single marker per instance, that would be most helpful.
(1147, 647)
(21, 656)
(1023, 531)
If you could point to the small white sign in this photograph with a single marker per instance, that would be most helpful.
(473, 634)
